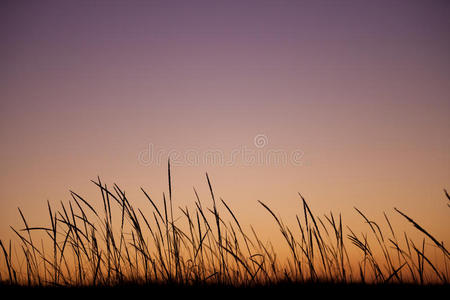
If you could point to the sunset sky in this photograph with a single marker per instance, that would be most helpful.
(353, 97)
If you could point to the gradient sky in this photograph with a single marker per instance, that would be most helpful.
(361, 88)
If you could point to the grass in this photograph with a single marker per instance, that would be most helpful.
(121, 246)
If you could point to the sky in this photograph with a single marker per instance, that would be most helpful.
(347, 102)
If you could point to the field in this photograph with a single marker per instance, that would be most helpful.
(122, 247)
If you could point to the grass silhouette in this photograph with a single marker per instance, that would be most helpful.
(121, 246)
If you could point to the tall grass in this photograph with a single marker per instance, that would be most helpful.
(120, 244)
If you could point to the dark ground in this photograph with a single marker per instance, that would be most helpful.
(284, 290)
